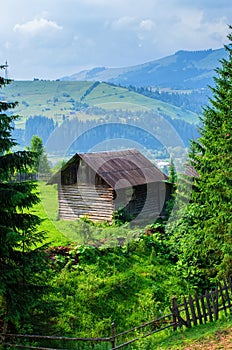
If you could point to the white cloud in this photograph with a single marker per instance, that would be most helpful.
(8, 45)
(123, 22)
(216, 29)
(145, 31)
(54, 38)
(147, 24)
(37, 26)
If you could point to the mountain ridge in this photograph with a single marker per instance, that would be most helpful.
(182, 70)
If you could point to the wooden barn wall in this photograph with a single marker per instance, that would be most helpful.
(95, 202)
(69, 175)
(148, 199)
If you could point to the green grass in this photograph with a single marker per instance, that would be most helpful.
(184, 337)
(47, 210)
(47, 98)
(111, 97)
(54, 99)
(128, 285)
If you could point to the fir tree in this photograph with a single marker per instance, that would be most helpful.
(21, 264)
(204, 233)
(172, 181)
(172, 173)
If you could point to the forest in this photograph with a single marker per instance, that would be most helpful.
(78, 283)
(192, 100)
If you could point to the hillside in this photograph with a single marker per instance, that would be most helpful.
(61, 99)
(66, 110)
(182, 70)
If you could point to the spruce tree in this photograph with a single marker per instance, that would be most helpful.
(204, 233)
(21, 263)
(172, 181)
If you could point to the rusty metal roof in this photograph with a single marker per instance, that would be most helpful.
(122, 169)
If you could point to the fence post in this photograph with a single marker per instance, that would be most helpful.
(214, 297)
(226, 287)
(188, 318)
(202, 298)
(223, 298)
(207, 296)
(113, 335)
(191, 304)
(174, 310)
(198, 308)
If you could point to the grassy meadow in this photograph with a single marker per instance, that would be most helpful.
(99, 281)
(47, 210)
(57, 99)
(94, 281)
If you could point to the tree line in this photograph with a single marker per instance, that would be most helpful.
(71, 128)
(192, 100)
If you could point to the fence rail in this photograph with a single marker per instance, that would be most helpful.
(194, 310)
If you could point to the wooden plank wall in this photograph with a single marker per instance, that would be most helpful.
(145, 203)
(95, 202)
(150, 200)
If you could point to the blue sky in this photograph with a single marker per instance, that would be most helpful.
(48, 39)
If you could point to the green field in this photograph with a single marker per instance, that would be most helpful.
(111, 97)
(58, 99)
(47, 98)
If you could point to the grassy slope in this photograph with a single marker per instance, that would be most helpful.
(209, 336)
(54, 99)
(97, 286)
(47, 210)
(146, 276)
(111, 97)
(40, 97)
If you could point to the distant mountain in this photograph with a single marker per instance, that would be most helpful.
(183, 70)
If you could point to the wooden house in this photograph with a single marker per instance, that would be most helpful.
(97, 184)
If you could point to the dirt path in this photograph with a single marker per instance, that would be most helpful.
(221, 340)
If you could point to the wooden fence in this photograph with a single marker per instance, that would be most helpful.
(192, 311)
(198, 309)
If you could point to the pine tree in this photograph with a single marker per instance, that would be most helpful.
(21, 264)
(204, 233)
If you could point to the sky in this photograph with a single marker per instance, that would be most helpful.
(49, 39)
